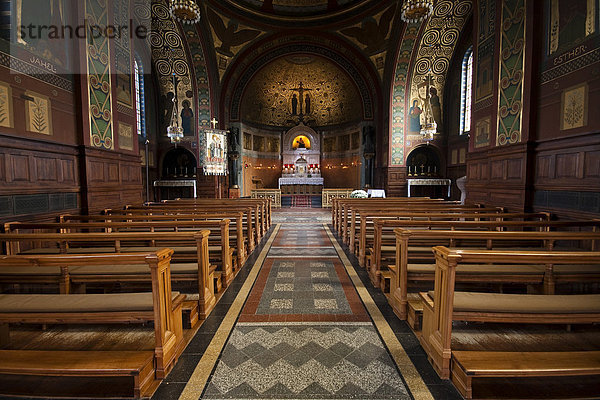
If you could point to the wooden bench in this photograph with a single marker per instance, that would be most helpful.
(469, 365)
(241, 234)
(367, 233)
(161, 306)
(338, 206)
(135, 367)
(220, 252)
(444, 305)
(195, 247)
(414, 265)
(360, 217)
(251, 216)
(261, 208)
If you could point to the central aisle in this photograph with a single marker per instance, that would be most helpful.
(304, 332)
(304, 327)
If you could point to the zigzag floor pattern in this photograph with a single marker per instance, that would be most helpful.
(333, 358)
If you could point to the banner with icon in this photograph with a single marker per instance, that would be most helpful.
(215, 152)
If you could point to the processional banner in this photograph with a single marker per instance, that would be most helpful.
(215, 152)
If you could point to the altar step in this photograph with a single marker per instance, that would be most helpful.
(306, 201)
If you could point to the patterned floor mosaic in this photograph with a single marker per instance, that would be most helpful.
(301, 216)
(304, 332)
(341, 361)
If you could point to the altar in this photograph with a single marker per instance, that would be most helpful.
(429, 182)
(301, 172)
(301, 185)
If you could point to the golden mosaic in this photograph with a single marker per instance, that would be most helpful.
(301, 87)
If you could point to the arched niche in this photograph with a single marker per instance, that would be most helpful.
(178, 163)
(425, 161)
(291, 153)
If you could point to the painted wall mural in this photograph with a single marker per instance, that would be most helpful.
(122, 46)
(399, 93)
(512, 63)
(170, 59)
(125, 136)
(484, 70)
(372, 35)
(435, 51)
(38, 113)
(229, 37)
(574, 107)
(572, 37)
(6, 106)
(99, 79)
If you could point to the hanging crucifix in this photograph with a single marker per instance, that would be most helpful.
(302, 100)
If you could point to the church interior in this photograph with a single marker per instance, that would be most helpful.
(300, 199)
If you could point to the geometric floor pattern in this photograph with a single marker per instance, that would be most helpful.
(329, 361)
(304, 332)
(303, 287)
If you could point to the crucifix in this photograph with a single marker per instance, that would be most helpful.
(214, 123)
(300, 89)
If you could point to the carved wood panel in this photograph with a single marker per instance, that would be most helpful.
(19, 168)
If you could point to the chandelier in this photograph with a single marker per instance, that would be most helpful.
(414, 11)
(429, 127)
(185, 11)
(174, 131)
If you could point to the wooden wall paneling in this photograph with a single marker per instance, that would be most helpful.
(566, 165)
(592, 165)
(46, 169)
(108, 180)
(2, 167)
(19, 168)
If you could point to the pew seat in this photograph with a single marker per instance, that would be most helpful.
(467, 365)
(132, 305)
(491, 307)
(134, 366)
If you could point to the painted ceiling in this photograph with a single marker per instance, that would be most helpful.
(298, 8)
(277, 94)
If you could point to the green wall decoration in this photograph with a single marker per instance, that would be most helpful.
(399, 94)
(511, 79)
(99, 77)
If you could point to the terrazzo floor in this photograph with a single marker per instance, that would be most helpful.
(297, 323)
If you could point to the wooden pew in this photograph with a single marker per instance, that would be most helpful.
(265, 206)
(351, 224)
(162, 307)
(261, 206)
(444, 305)
(220, 252)
(338, 204)
(244, 237)
(379, 241)
(251, 215)
(366, 233)
(344, 207)
(414, 264)
(469, 365)
(196, 248)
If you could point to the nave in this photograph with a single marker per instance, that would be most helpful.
(303, 326)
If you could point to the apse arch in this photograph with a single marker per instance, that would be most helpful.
(271, 48)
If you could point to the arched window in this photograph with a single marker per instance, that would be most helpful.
(139, 98)
(466, 92)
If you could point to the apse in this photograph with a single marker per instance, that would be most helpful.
(301, 103)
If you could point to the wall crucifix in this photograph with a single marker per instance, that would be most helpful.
(302, 100)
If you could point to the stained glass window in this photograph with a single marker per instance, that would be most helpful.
(139, 98)
(466, 92)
